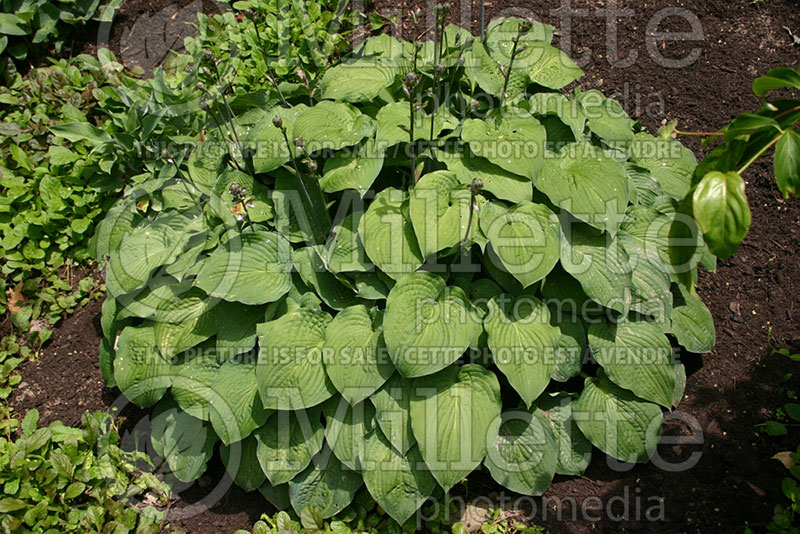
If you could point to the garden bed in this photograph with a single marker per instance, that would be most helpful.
(729, 391)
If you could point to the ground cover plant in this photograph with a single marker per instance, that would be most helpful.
(30, 27)
(403, 265)
(63, 479)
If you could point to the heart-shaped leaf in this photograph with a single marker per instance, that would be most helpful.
(290, 371)
(440, 212)
(525, 237)
(455, 415)
(355, 357)
(427, 325)
(523, 343)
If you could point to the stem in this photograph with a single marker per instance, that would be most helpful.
(411, 102)
(761, 152)
(220, 124)
(469, 219)
(508, 72)
(783, 114)
(297, 169)
(270, 72)
(222, 89)
(483, 19)
(679, 132)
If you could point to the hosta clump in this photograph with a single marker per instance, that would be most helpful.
(433, 261)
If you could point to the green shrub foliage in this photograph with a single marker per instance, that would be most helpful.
(434, 260)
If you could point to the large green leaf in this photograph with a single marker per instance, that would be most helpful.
(10, 24)
(332, 125)
(346, 429)
(497, 181)
(720, 207)
(290, 371)
(394, 122)
(482, 70)
(606, 117)
(549, 66)
(691, 322)
(669, 162)
(388, 236)
(427, 325)
(523, 343)
(329, 287)
(574, 450)
(439, 207)
(236, 327)
(514, 143)
(398, 482)
(191, 387)
(587, 183)
(184, 321)
(241, 462)
(787, 163)
(352, 169)
(569, 111)
(455, 415)
(599, 263)
(776, 79)
(616, 421)
(344, 251)
(251, 268)
(185, 442)
(501, 33)
(266, 142)
(637, 356)
(140, 371)
(287, 442)
(355, 353)
(571, 343)
(325, 487)
(140, 251)
(525, 237)
(359, 80)
(393, 412)
(235, 409)
(525, 455)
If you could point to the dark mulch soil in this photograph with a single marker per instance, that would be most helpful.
(734, 388)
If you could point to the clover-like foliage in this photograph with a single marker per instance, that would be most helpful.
(434, 260)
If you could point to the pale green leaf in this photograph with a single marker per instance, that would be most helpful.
(388, 236)
(355, 354)
(290, 371)
(637, 356)
(525, 455)
(523, 343)
(251, 268)
(587, 183)
(616, 421)
(287, 442)
(525, 237)
(427, 325)
(455, 415)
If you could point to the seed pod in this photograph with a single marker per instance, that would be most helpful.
(277, 122)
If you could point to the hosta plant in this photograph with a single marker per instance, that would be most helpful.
(435, 260)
